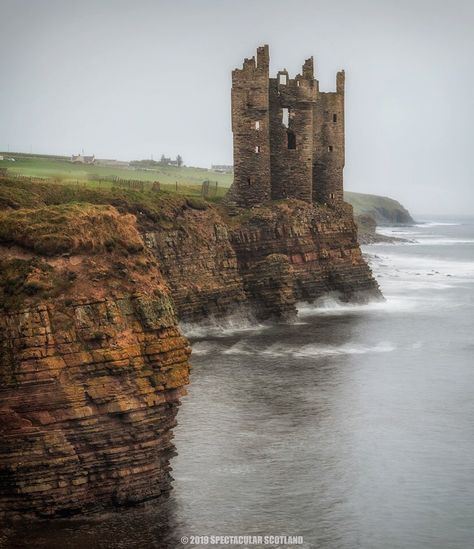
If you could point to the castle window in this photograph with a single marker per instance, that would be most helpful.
(330, 148)
(291, 140)
(249, 181)
(282, 79)
(285, 116)
(257, 149)
(257, 125)
(334, 117)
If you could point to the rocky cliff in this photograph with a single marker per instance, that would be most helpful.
(265, 259)
(93, 364)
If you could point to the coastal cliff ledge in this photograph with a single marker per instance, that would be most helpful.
(93, 365)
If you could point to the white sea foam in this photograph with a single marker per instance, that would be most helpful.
(428, 224)
(330, 350)
(279, 350)
(330, 306)
(416, 239)
(222, 327)
(433, 240)
(240, 348)
(204, 348)
(418, 265)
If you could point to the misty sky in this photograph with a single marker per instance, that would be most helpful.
(128, 80)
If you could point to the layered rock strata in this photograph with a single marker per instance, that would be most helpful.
(92, 368)
(92, 364)
(266, 259)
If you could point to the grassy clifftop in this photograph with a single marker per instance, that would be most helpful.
(184, 180)
(384, 210)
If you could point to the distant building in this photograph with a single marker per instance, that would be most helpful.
(81, 159)
(1, 157)
(223, 168)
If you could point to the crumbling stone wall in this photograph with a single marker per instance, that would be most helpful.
(328, 145)
(288, 136)
(250, 126)
(291, 134)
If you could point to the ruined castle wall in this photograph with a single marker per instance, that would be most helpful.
(250, 126)
(328, 146)
(291, 135)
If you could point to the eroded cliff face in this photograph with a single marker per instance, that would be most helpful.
(199, 263)
(92, 365)
(265, 259)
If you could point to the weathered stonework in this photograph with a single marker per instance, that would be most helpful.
(288, 136)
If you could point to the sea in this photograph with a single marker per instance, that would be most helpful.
(351, 427)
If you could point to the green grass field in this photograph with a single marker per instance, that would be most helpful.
(61, 170)
(184, 181)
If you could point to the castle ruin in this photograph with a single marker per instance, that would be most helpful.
(288, 136)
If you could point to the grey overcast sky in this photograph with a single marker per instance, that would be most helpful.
(128, 80)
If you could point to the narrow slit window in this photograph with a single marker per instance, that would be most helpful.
(330, 148)
(291, 140)
(282, 79)
(249, 181)
(285, 116)
(257, 125)
(334, 117)
(257, 149)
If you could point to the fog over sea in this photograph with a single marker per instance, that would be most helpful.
(352, 427)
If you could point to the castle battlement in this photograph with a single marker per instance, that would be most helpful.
(288, 136)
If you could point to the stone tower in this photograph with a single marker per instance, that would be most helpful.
(251, 129)
(288, 136)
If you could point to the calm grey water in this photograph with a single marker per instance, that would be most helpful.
(353, 427)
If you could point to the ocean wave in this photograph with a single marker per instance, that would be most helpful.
(333, 307)
(280, 350)
(240, 348)
(418, 265)
(426, 224)
(415, 239)
(436, 241)
(222, 327)
(202, 348)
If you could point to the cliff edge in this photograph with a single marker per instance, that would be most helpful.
(92, 362)
(383, 210)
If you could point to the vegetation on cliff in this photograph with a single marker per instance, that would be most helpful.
(57, 241)
(92, 364)
(178, 180)
(384, 210)
(69, 228)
